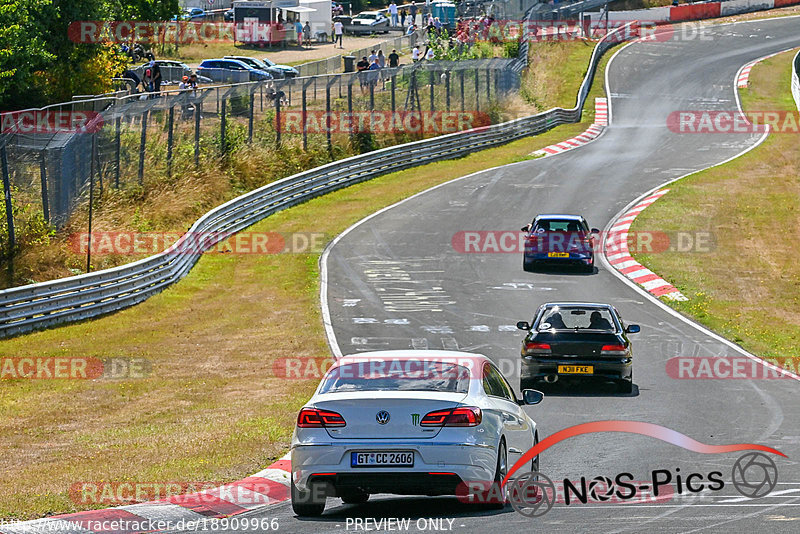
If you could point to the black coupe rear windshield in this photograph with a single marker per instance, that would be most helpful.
(576, 317)
(397, 375)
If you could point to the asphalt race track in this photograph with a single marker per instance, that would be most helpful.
(395, 281)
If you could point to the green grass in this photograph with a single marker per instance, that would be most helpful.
(748, 287)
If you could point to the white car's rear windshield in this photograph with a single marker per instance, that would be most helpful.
(397, 375)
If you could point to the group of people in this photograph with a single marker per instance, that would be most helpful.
(303, 32)
(373, 63)
(418, 55)
(402, 17)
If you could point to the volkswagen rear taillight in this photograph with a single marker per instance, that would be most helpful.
(313, 418)
(467, 416)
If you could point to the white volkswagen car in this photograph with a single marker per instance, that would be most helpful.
(409, 422)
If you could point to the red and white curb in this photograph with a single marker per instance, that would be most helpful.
(601, 111)
(744, 75)
(200, 509)
(591, 133)
(618, 255)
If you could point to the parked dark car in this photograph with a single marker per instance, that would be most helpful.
(191, 13)
(208, 68)
(559, 239)
(184, 69)
(570, 340)
(273, 70)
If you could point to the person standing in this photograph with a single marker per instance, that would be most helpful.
(307, 33)
(381, 59)
(429, 55)
(393, 13)
(338, 33)
(394, 59)
(147, 81)
(403, 15)
(413, 11)
(156, 71)
(415, 54)
(372, 57)
(298, 28)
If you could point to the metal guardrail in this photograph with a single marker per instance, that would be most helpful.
(76, 298)
(796, 80)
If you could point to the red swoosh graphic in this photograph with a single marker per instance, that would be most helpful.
(633, 427)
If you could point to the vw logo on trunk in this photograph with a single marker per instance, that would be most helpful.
(382, 417)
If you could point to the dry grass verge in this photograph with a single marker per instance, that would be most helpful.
(748, 288)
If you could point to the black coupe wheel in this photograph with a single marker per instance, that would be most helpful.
(626, 386)
(528, 266)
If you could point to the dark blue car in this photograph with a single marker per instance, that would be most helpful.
(559, 239)
(215, 69)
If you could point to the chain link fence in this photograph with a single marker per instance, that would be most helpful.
(128, 138)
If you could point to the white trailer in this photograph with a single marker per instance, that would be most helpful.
(319, 15)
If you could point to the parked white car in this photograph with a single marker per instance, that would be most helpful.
(411, 422)
(372, 21)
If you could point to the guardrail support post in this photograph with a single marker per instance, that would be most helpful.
(328, 119)
(250, 119)
(488, 85)
(461, 80)
(197, 107)
(372, 93)
(477, 90)
(117, 146)
(394, 101)
(277, 118)
(303, 115)
(447, 89)
(43, 176)
(142, 143)
(223, 123)
(91, 205)
(12, 241)
(170, 130)
(433, 81)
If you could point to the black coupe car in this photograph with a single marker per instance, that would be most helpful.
(577, 340)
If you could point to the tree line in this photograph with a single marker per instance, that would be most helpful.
(40, 65)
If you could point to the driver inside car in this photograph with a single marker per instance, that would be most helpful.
(598, 322)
